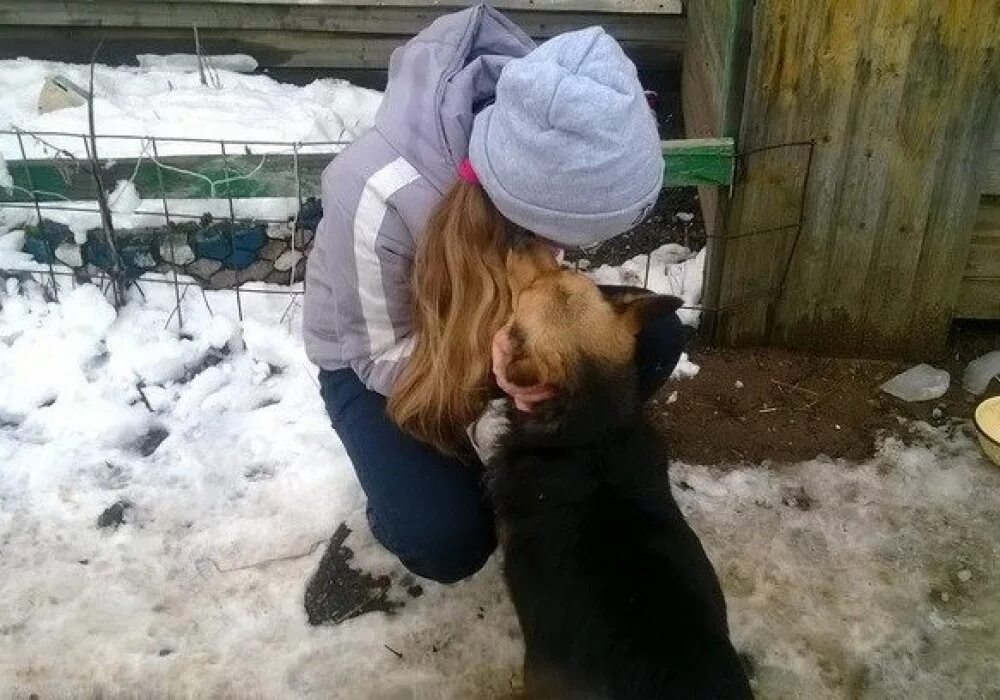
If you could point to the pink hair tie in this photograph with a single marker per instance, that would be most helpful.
(466, 172)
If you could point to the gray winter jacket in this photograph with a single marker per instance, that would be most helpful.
(379, 192)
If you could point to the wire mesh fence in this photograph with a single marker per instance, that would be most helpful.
(236, 215)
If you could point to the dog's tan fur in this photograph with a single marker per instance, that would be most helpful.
(561, 317)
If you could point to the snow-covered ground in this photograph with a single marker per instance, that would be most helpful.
(844, 580)
(170, 102)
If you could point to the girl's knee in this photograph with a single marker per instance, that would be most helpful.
(442, 551)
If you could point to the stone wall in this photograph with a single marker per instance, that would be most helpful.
(218, 253)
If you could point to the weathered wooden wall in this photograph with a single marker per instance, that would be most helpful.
(324, 34)
(712, 80)
(901, 99)
(979, 292)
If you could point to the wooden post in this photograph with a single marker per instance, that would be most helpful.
(713, 79)
(901, 99)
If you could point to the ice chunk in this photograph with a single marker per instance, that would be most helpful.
(980, 372)
(125, 199)
(13, 240)
(920, 383)
(685, 369)
(6, 180)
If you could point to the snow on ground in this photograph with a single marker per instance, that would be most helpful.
(844, 580)
(670, 269)
(172, 102)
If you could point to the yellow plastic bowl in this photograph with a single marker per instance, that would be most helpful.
(987, 421)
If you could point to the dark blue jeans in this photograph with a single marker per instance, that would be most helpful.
(429, 509)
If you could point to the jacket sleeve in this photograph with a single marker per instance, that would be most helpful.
(384, 270)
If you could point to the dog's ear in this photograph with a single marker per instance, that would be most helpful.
(637, 310)
(621, 293)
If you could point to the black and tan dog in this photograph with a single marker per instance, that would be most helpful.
(615, 595)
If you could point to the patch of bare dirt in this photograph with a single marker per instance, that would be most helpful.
(766, 404)
(779, 406)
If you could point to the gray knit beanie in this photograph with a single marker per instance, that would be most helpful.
(570, 149)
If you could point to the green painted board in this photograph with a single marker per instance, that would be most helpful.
(687, 163)
(692, 162)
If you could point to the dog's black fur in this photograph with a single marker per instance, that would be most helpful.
(615, 595)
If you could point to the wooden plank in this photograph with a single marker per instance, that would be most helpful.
(978, 299)
(984, 250)
(348, 19)
(900, 100)
(713, 78)
(700, 162)
(686, 163)
(636, 6)
(272, 49)
(991, 180)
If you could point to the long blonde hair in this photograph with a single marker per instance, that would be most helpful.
(460, 299)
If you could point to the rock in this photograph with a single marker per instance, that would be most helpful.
(964, 575)
(213, 243)
(114, 515)
(279, 231)
(920, 383)
(272, 249)
(176, 251)
(980, 372)
(304, 237)
(240, 259)
(203, 268)
(250, 238)
(310, 214)
(287, 260)
(223, 279)
(60, 93)
(276, 277)
(138, 258)
(255, 272)
(685, 217)
(147, 444)
(70, 255)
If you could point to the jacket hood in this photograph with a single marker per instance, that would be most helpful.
(439, 80)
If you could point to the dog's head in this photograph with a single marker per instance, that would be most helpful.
(578, 339)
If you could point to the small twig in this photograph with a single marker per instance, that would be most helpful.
(767, 410)
(39, 139)
(201, 61)
(357, 608)
(102, 197)
(142, 395)
(267, 562)
(796, 387)
(398, 655)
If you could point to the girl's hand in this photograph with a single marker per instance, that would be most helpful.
(525, 397)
